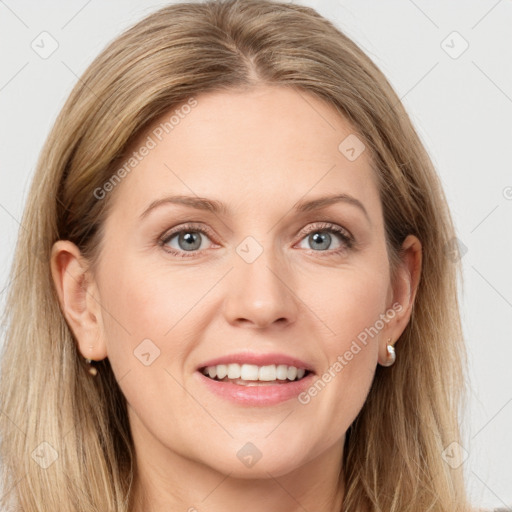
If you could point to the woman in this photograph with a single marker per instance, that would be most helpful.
(178, 340)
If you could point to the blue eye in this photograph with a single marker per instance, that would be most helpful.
(187, 240)
(321, 237)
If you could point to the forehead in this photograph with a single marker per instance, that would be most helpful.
(268, 146)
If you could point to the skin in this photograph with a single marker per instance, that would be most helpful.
(259, 152)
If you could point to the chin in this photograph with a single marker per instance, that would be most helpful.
(250, 462)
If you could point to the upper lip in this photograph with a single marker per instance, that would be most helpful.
(258, 360)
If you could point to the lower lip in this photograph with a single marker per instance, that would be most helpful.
(259, 395)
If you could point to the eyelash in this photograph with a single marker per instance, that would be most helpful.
(345, 236)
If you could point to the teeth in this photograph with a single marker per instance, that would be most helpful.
(233, 371)
(282, 372)
(252, 372)
(292, 373)
(222, 371)
(267, 373)
(249, 372)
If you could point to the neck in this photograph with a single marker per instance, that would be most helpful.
(167, 481)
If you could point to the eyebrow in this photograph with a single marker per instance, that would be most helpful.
(217, 207)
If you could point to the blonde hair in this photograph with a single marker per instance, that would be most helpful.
(393, 458)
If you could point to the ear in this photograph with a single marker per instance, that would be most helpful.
(404, 288)
(78, 298)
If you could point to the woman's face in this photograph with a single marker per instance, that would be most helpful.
(249, 268)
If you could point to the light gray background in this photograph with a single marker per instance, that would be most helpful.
(462, 108)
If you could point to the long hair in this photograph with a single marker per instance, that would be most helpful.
(65, 438)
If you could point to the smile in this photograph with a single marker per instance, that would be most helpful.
(254, 375)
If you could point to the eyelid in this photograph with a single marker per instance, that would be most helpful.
(187, 226)
(324, 225)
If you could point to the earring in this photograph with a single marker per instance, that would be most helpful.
(93, 371)
(391, 356)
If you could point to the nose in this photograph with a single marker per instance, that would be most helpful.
(260, 293)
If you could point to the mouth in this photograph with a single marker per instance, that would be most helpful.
(254, 375)
(254, 379)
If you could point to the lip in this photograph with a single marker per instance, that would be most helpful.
(258, 360)
(258, 395)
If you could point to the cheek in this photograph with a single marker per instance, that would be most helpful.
(151, 302)
(352, 307)
(338, 394)
(351, 304)
(148, 335)
(136, 310)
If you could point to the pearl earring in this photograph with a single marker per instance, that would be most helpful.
(391, 356)
(93, 371)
